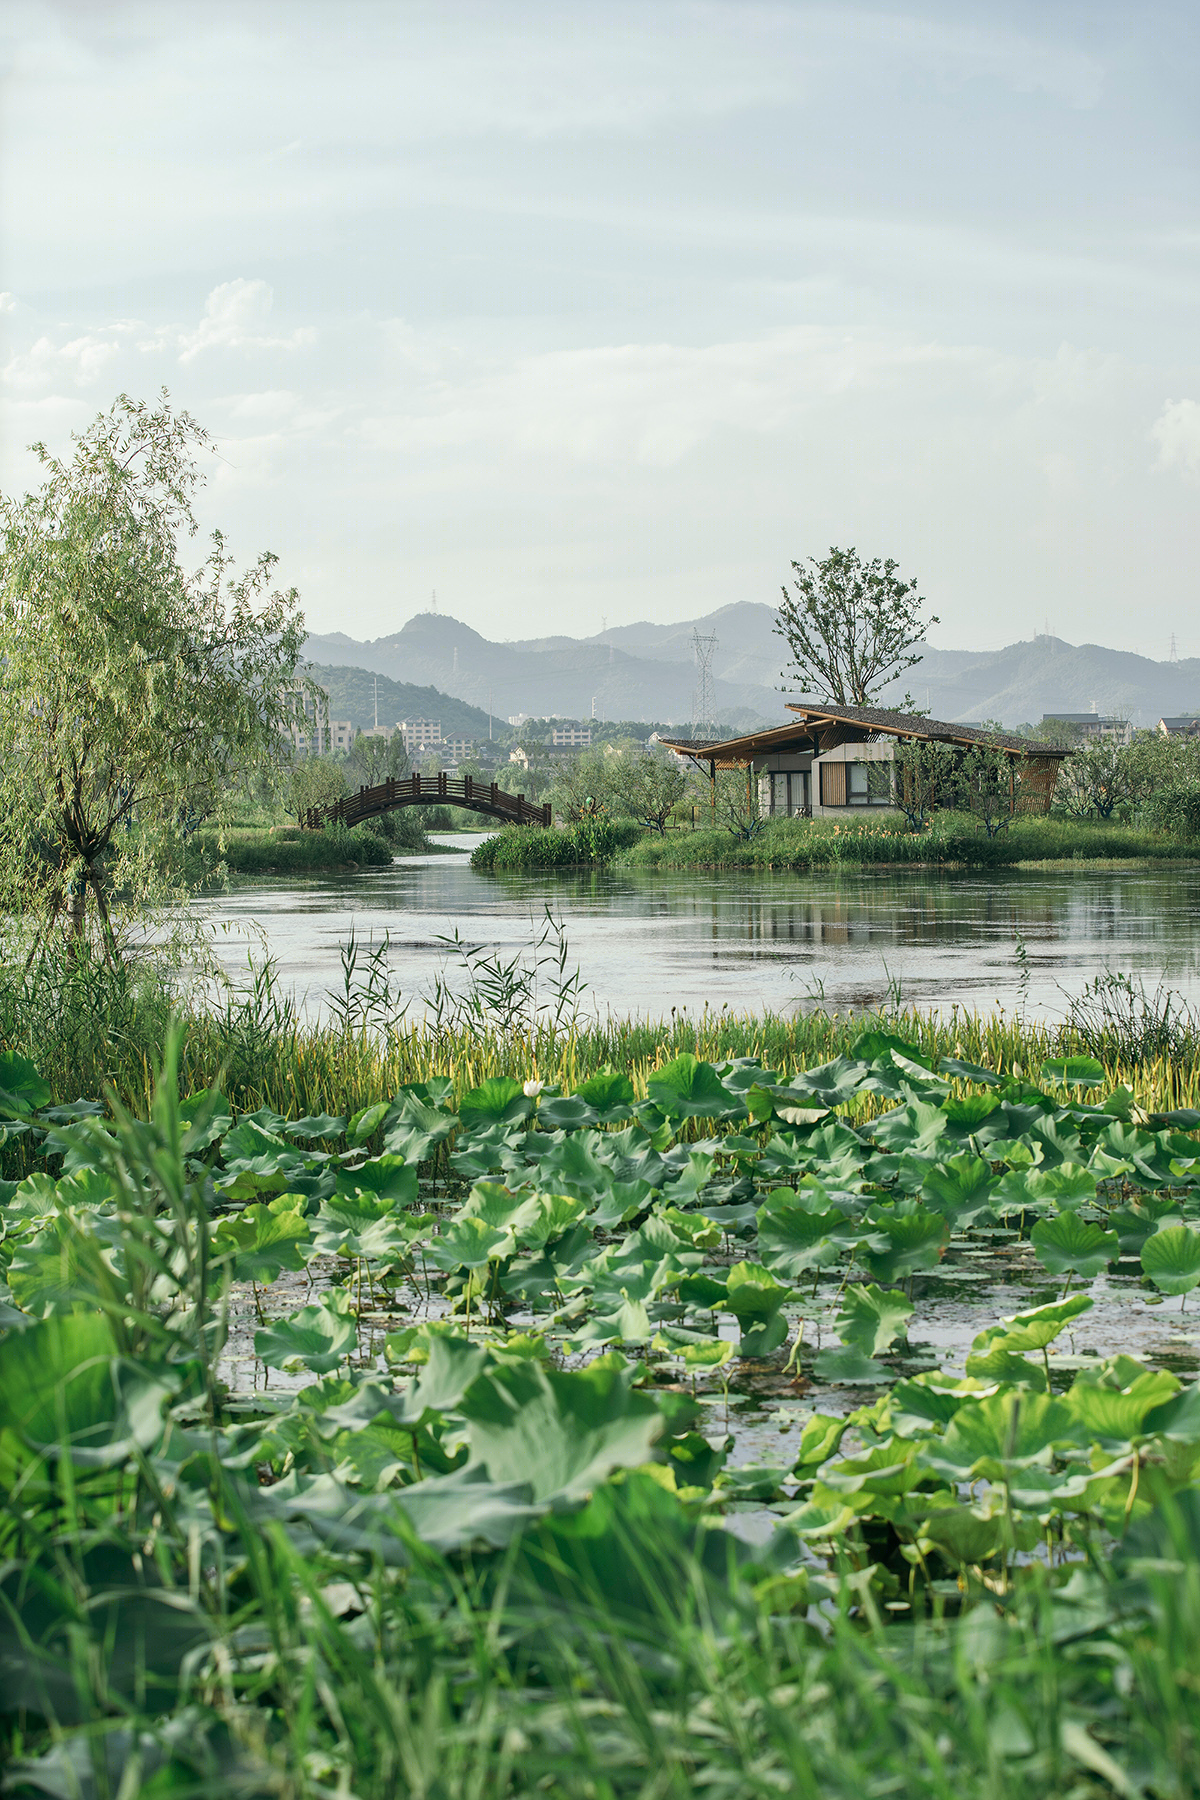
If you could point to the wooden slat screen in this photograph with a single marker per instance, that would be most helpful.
(833, 784)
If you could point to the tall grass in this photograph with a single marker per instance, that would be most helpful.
(949, 839)
(290, 851)
(89, 1029)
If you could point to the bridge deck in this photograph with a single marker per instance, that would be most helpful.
(431, 790)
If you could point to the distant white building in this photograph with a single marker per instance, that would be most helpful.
(1093, 725)
(572, 737)
(312, 731)
(1179, 727)
(456, 749)
(421, 734)
(519, 756)
(516, 720)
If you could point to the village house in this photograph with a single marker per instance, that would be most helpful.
(831, 760)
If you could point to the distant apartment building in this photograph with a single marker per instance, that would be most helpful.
(1093, 725)
(421, 734)
(312, 731)
(516, 720)
(456, 749)
(1179, 727)
(572, 737)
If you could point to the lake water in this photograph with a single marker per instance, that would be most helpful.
(647, 942)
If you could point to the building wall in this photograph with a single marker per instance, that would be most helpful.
(793, 783)
(421, 734)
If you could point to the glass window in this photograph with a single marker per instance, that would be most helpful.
(868, 784)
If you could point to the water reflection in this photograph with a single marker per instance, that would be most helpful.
(650, 941)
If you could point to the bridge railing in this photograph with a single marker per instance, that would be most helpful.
(430, 790)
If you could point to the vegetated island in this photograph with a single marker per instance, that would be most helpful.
(946, 840)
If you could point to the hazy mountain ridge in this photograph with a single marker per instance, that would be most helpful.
(646, 671)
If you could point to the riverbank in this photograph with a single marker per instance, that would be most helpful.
(945, 842)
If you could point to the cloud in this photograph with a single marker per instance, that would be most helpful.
(236, 316)
(1176, 431)
(81, 361)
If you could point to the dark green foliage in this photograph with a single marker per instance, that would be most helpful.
(588, 841)
(293, 852)
(459, 1567)
(947, 840)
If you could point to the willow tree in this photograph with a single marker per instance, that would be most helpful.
(135, 694)
(851, 627)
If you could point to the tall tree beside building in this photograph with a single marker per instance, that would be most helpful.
(850, 626)
(135, 695)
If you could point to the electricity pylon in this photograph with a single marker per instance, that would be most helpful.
(704, 704)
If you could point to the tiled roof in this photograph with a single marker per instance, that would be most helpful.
(878, 718)
(870, 718)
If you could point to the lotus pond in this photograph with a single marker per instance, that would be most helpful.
(330, 1441)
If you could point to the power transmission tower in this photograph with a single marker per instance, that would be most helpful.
(704, 704)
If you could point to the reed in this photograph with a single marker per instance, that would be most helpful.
(90, 1029)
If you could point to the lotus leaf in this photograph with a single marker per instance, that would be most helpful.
(561, 1431)
(791, 1240)
(960, 1187)
(1074, 1071)
(262, 1241)
(1112, 1404)
(1069, 1244)
(314, 1337)
(357, 1225)
(990, 1437)
(903, 1238)
(847, 1365)
(22, 1089)
(387, 1177)
(498, 1101)
(914, 1127)
(872, 1318)
(688, 1088)
(1171, 1258)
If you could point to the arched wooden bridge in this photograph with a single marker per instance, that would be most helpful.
(430, 790)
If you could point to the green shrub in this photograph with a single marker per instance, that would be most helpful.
(1176, 808)
(294, 852)
(587, 842)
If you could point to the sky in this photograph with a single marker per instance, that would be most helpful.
(584, 314)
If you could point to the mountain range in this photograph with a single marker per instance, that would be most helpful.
(647, 671)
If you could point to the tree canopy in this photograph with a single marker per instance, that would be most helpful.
(135, 695)
(851, 627)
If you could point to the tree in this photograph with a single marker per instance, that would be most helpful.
(135, 696)
(645, 786)
(316, 781)
(850, 626)
(373, 760)
(582, 785)
(928, 775)
(1095, 783)
(987, 784)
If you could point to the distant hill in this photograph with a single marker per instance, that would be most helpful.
(352, 696)
(646, 671)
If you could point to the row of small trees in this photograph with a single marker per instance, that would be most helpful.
(1155, 778)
